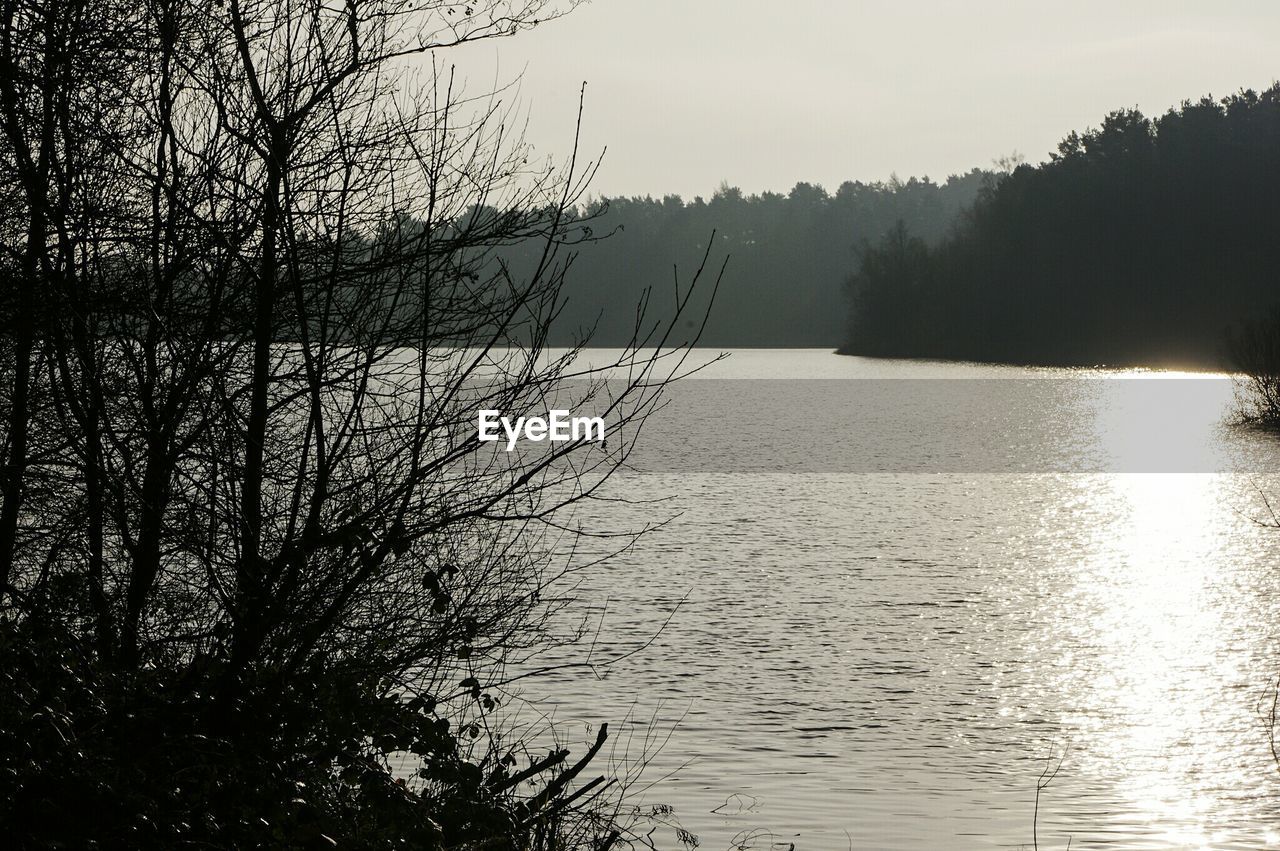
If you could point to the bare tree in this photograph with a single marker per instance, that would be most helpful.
(269, 262)
(1254, 351)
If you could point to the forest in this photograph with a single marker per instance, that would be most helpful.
(1141, 241)
(788, 255)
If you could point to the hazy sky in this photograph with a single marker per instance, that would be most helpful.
(687, 93)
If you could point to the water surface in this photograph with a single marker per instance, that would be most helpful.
(888, 655)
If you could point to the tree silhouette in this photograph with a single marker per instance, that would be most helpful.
(252, 553)
(790, 253)
(1138, 241)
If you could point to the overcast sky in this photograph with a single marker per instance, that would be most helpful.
(687, 93)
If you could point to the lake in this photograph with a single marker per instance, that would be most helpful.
(895, 592)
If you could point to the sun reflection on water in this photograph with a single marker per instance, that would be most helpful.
(1157, 717)
(885, 659)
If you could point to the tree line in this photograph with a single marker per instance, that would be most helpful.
(1140, 241)
(789, 254)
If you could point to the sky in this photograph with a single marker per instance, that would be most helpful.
(687, 94)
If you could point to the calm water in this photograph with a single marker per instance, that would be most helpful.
(885, 655)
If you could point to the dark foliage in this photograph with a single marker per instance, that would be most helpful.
(260, 585)
(790, 254)
(90, 758)
(1139, 242)
(1254, 349)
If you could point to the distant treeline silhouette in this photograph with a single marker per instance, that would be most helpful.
(789, 255)
(1139, 242)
